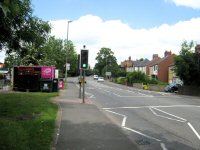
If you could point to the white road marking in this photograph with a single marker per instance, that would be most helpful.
(124, 122)
(193, 129)
(124, 117)
(140, 133)
(151, 109)
(170, 114)
(125, 108)
(163, 146)
(152, 106)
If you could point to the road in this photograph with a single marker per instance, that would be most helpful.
(152, 120)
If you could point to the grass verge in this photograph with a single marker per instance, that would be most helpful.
(27, 121)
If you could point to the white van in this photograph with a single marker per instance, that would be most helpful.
(95, 77)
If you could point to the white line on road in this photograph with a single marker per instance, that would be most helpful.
(124, 117)
(193, 129)
(151, 109)
(163, 146)
(125, 107)
(170, 114)
(138, 132)
(150, 137)
(152, 106)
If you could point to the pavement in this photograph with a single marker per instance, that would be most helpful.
(85, 126)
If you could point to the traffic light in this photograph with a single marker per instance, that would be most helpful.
(84, 59)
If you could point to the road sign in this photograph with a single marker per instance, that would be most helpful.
(108, 73)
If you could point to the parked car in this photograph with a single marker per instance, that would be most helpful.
(100, 79)
(95, 77)
(173, 87)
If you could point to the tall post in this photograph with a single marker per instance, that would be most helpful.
(83, 86)
(67, 51)
(80, 78)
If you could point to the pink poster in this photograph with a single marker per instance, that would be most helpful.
(47, 72)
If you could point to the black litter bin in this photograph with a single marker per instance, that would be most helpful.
(55, 85)
(46, 85)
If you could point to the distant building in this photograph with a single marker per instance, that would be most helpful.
(1, 65)
(128, 65)
(197, 49)
(154, 59)
(141, 66)
(172, 77)
(159, 69)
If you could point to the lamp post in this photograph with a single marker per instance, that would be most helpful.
(67, 51)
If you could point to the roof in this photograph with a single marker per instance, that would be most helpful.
(160, 60)
(141, 63)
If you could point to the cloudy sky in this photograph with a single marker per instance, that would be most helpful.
(136, 28)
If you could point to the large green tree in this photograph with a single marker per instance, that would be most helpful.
(19, 28)
(106, 62)
(71, 56)
(187, 64)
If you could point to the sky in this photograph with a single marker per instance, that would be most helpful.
(136, 28)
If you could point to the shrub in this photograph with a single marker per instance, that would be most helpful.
(121, 80)
(136, 77)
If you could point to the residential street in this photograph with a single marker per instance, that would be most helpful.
(152, 120)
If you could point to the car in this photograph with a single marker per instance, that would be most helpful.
(95, 77)
(173, 87)
(100, 79)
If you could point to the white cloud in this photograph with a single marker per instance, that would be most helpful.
(188, 3)
(123, 40)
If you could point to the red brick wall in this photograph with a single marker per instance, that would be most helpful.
(163, 68)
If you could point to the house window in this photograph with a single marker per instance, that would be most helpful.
(155, 68)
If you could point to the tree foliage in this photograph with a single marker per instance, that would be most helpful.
(19, 29)
(187, 64)
(72, 57)
(106, 61)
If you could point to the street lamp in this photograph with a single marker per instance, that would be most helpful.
(69, 21)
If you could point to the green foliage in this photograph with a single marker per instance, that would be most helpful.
(121, 73)
(121, 80)
(27, 120)
(136, 77)
(72, 57)
(151, 81)
(20, 30)
(106, 61)
(187, 64)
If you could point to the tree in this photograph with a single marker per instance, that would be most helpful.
(19, 29)
(72, 57)
(106, 61)
(186, 65)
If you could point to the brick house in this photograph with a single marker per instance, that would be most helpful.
(160, 68)
(128, 65)
(155, 58)
(1, 65)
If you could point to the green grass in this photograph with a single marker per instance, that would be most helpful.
(27, 121)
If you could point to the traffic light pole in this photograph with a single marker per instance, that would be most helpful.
(83, 86)
(80, 81)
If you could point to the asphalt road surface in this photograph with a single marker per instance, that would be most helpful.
(152, 120)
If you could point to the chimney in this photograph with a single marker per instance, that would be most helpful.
(155, 56)
(167, 53)
(197, 49)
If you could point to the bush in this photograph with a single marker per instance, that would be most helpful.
(121, 80)
(152, 81)
(136, 77)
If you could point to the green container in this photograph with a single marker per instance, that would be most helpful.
(46, 85)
